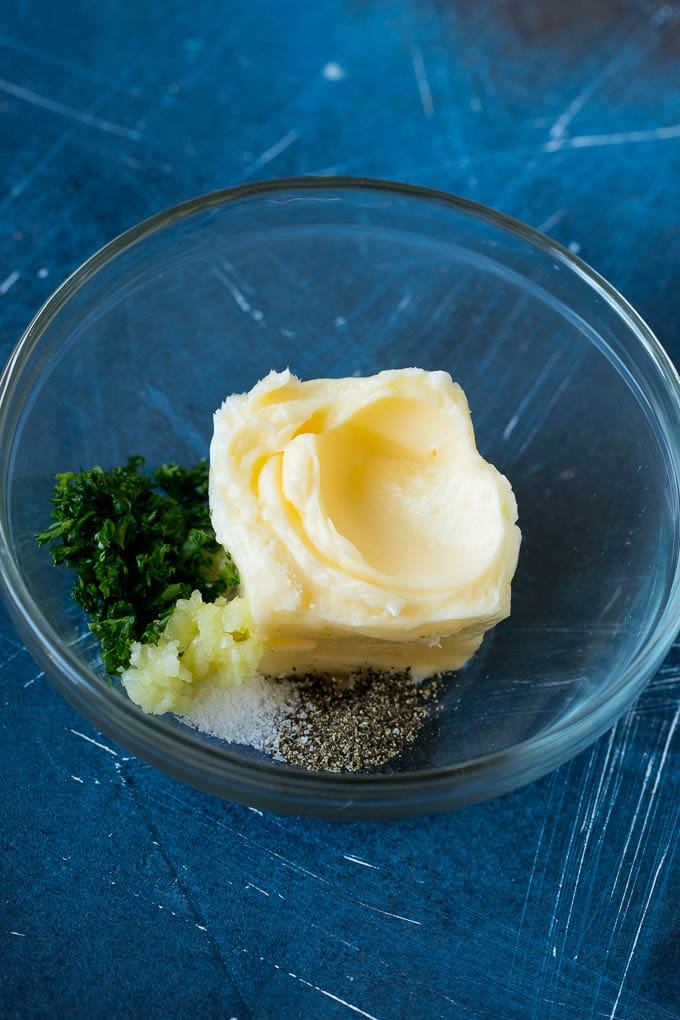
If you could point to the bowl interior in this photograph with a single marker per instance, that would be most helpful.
(565, 399)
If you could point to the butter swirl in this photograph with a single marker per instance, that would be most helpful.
(367, 528)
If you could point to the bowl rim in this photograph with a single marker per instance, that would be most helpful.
(247, 779)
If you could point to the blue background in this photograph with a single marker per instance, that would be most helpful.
(126, 894)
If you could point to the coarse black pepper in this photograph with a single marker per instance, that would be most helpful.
(355, 723)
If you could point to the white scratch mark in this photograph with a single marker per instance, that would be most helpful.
(329, 995)
(9, 282)
(532, 875)
(509, 428)
(530, 394)
(636, 938)
(332, 71)
(357, 860)
(552, 220)
(95, 742)
(134, 164)
(21, 934)
(386, 913)
(564, 868)
(421, 81)
(333, 170)
(11, 658)
(297, 867)
(567, 682)
(589, 815)
(648, 771)
(400, 308)
(200, 927)
(78, 779)
(237, 294)
(271, 153)
(350, 945)
(12, 43)
(566, 381)
(256, 811)
(251, 885)
(660, 134)
(28, 96)
(615, 597)
(559, 128)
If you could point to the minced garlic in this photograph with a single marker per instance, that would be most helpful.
(200, 640)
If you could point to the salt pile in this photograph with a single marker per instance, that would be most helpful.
(252, 713)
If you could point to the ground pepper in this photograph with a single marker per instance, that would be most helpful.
(356, 723)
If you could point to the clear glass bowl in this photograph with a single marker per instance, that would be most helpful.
(571, 395)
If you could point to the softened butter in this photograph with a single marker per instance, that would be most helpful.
(367, 528)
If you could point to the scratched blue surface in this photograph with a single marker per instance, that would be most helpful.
(124, 894)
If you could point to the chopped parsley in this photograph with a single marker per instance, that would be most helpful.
(138, 543)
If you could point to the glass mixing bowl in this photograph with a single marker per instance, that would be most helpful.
(571, 395)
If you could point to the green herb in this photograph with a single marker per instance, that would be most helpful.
(137, 543)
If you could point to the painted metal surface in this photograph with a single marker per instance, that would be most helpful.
(125, 894)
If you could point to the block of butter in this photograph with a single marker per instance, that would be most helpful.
(367, 528)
